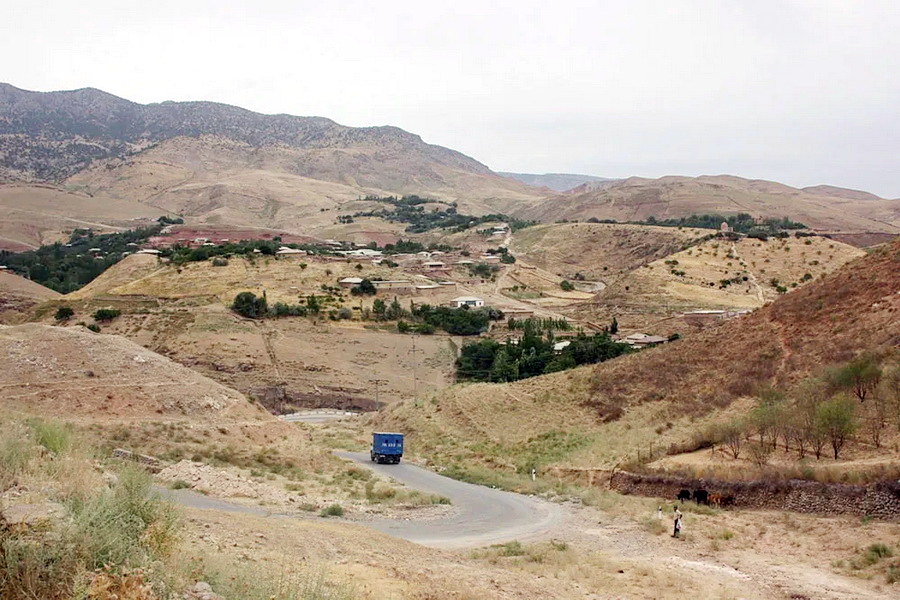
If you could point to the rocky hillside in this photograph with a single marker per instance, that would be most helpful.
(637, 199)
(50, 136)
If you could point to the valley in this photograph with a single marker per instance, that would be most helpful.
(234, 302)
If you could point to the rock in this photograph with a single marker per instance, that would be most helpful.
(201, 591)
(31, 515)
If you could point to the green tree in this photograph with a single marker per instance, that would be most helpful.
(505, 368)
(106, 314)
(364, 288)
(860, 375)
(560, 363)
(63, 313)
(247, 304)
(313, 305)
(394, 311)
(379, 308)
(836, 419)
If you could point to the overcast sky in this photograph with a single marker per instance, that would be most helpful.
(798, 92)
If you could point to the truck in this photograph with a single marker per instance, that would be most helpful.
(386, 447)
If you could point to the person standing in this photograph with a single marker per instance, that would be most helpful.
(678, 516)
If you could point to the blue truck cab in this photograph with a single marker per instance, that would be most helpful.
(387, 447)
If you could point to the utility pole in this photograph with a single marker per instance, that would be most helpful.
(413, 351)
(378, 382)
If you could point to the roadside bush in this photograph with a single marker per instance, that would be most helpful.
(126, 524)
(63, 313)
(106, 314)
(335, 510)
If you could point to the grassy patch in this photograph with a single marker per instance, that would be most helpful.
(335, 510)
(54, 436)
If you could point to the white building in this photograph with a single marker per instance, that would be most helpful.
(348, 282)
(472, 301)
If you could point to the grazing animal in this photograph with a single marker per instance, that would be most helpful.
(715, 499)
(727, 500)
(684, 495)
(701, 497)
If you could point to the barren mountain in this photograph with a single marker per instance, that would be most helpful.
(558, 182)
(637, 199)
(50, 136)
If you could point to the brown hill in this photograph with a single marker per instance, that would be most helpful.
(225, 164)
(36, 214)
(717, 274)
(223, 181)
(18, 295)
(636, 199)
(69, 372)
(593, 417)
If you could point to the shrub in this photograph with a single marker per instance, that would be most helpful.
(566, 285)
(513, 548)
(106, 314)
(335, 510)
(179, 484)
(364, 288)
(281, 309)
(94, 327)
(247, 304)
(55, 437)
(126, 524)
(219, 262)
(63, 313)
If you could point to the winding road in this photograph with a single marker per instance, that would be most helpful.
(480, 516)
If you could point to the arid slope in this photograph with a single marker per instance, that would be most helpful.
(598, 416)
(636, 199)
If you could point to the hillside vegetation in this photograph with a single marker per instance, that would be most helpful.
(597, 417)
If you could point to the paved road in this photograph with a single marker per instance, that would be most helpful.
(316, 416)
(481, 515)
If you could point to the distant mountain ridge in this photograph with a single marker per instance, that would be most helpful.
(638, 198)
(558, 182)
(47, 136)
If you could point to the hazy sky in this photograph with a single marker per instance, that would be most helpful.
(799, 92)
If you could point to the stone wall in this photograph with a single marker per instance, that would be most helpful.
(880, 500)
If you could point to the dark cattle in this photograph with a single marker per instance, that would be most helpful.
(727, 500)
(701, 497)
(684, 495)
